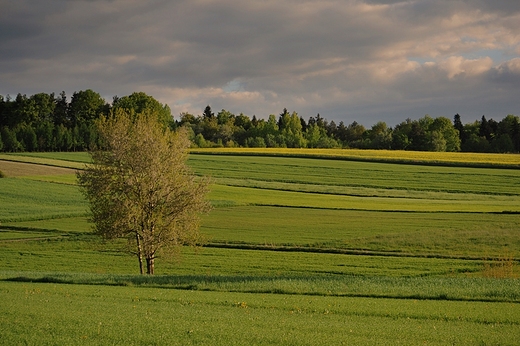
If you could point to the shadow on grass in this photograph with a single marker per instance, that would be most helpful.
(194, 282)
(419, 288)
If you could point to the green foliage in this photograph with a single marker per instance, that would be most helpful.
(10, 142)
(447, 132)
(139, 187)
(60, 125)
(139, 103)
(200, 142)
(86, 106)
(256, 142)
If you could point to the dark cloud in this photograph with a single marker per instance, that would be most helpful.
(348, 60)
(503, 6)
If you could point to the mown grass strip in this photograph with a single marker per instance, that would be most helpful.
(74, 224)
(356, 191)
(22, 169)
(356, 252)
(24, 199)
(359, 174)
(461, 234)
(89, 254)
(264, 197)
(423, 288)
(38, 159)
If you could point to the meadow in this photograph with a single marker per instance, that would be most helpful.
(300, 250)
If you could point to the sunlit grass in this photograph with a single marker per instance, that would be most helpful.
(74, 224)
(23, 199)
(433, 288)
(301, 251)
(22, 169)
(461, 234)
(61, 252)
(79, 315)
(74, 160)
(360, 191)
(253, 196)
(332, 173)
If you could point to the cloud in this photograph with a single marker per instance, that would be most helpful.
(456, 66)
(348, 60)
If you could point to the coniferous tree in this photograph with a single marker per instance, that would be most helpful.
(3, 112)
(60, 115)
(457, 124)
(208, 113)
(516, 134)
(341, 131)
(485, 129)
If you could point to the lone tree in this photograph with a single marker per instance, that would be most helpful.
(140, 188)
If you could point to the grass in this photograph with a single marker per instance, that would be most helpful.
(82, 157)
(75, 314)
(443, 234)
(69, 252)
(500, 268)
(24, 199)
(263, 197)
(360, 174)
(345, 190)
(13, 235)
(313, 170)
(448, 234)
(302, 251)
(22, 169)
(419, 288)
(76, 161)
(75, 224)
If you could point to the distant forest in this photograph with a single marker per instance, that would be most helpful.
(46, 122)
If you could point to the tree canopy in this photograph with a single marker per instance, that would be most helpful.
(140, 188)
(45, 122)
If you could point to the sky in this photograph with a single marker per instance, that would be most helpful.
(350, 60)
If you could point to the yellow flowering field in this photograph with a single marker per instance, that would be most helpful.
(398, 156)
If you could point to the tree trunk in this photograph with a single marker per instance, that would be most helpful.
(150, 265)
(139, 253)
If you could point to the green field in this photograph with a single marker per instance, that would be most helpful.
(300, 251)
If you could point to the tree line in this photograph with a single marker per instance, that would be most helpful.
(291, 130)
(46, 122)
